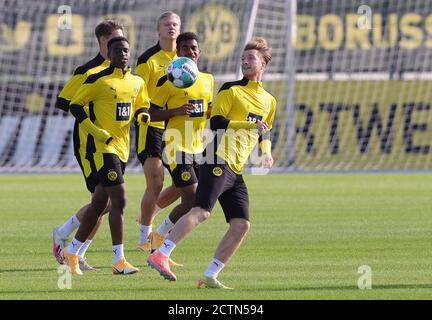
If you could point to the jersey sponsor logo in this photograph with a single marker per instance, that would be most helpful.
(199, 108)
(217, 171)
(123, 111)
(185, 176)
(253, 117)
(112, 175)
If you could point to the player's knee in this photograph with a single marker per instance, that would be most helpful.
(99, 205)
(155, 185)
(241, 226)
(202, 215)
(154, 178)
(119, 203)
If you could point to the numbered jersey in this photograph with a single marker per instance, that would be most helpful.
(185, 133)
(242, 100)
(113, 98)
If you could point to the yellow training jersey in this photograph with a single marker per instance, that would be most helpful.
(81, 73)
(151, 66)
(242, 100)
(185, 133)
(115, 97)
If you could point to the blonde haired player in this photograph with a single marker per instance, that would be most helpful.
(151, 66)
(242, 111)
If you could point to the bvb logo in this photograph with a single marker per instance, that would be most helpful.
(112, 175)
(217, 171)
(185, 176)
(217, 28)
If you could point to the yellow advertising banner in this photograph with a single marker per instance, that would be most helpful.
(375, 125)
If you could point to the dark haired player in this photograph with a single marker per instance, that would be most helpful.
(117, 96)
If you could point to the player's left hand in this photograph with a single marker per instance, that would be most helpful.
(143, 117)
(262, 126)
(267, 161)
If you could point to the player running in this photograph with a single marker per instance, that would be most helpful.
(151, 66)
(104, 31)
(116, 96)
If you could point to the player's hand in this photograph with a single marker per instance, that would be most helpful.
(185, 109)
(262, 126)
(267, 161)
(143, 117)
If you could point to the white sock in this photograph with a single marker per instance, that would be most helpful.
(84, 248)
(74, 247)
(167, 247)
(165, 227)
(144, 233)
(68, 227)
(214, 268)
(118, 253)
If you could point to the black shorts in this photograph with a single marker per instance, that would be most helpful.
(89, 176)
(184, 170)
(148, 142)
(106, 169)
(219, 182)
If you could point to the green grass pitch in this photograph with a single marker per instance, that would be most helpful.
(309, 236)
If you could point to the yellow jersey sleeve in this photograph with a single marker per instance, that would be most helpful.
(84, 95)
(82, 98)
(211, 92)
(271, 115)
(162, 93)
(68, 91)
(223, 103)
(144, 71)
(142, 100)
(142, 104)
(264, 140)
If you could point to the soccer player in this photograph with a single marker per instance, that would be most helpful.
(186, 115)
(117, 96)
(242, 114)
(151, 66)
(104, 31)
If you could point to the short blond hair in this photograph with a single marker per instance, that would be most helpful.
(261, 45)
(167, 14)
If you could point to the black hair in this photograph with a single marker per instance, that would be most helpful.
(115, 39)
(186, 36)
